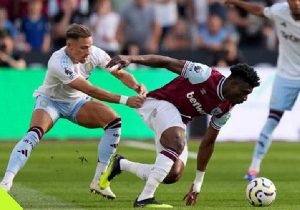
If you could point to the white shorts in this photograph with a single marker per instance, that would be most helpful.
(160, 115)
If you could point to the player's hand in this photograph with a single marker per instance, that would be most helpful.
(120, 60)
(191, 197)
(135, 101)
(141, 89)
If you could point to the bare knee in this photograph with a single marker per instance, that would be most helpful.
(175, 173)
(174, 138)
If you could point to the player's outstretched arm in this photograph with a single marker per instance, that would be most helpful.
(156, 61)
(252, 8)
(205, 151)
(129, 80)
(86, 87)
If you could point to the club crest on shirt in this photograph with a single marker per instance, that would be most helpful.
(89, 67)
(216, 111)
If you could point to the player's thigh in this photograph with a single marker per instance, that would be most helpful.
(284, 94)
(166, 122)
(95, 114)
(45, 113)
(42, 119)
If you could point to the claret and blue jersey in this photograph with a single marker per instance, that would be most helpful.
(198, 91)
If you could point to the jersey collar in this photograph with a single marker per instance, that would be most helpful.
(220, 89)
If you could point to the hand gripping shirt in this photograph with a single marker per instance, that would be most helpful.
(62, 71)
(288, 32)
(198, 91)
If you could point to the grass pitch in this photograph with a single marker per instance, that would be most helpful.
(58, 175)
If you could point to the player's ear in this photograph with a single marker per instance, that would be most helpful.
(69, 43)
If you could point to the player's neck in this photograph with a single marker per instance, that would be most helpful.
(70, 55)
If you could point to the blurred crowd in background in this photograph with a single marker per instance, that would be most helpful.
(133, 27)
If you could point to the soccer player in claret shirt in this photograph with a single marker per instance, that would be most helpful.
(66, 93)
(197, 91)
(286, 87)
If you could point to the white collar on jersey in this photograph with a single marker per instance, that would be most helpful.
(220, 89)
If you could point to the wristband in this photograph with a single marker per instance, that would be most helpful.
(198, 181)
(123, 99)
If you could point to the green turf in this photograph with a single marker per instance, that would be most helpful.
(58, 175)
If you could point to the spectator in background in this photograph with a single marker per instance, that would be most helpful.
(166, 13)
(9, 57)
(9, 5)
(248, 26)
(229, 55)
(68, 14)
(138, 25)
(178, 37)
(119, 6)
(132, 48)
(21, 8)
(35, 27)
(5, 23)
(213, 36)
(104, 24)
(270, 38)
(54, 7)
(198, 12)
(216, 7)
(182, 8)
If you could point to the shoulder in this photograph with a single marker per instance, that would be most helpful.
(197, 67)
(216, 72)
(97, 53)
(196, 72)
(59, 60)
(278, 8)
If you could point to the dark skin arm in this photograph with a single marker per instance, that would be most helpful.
(205, 152)
(254, 9)
(155, 61)
(129, 80)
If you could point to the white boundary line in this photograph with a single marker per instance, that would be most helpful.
(151, 147)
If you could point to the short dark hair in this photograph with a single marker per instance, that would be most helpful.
(245, 73)
(76, 31)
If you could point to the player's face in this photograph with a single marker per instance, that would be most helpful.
(79, 50)
(295, 8)
(239, 92)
